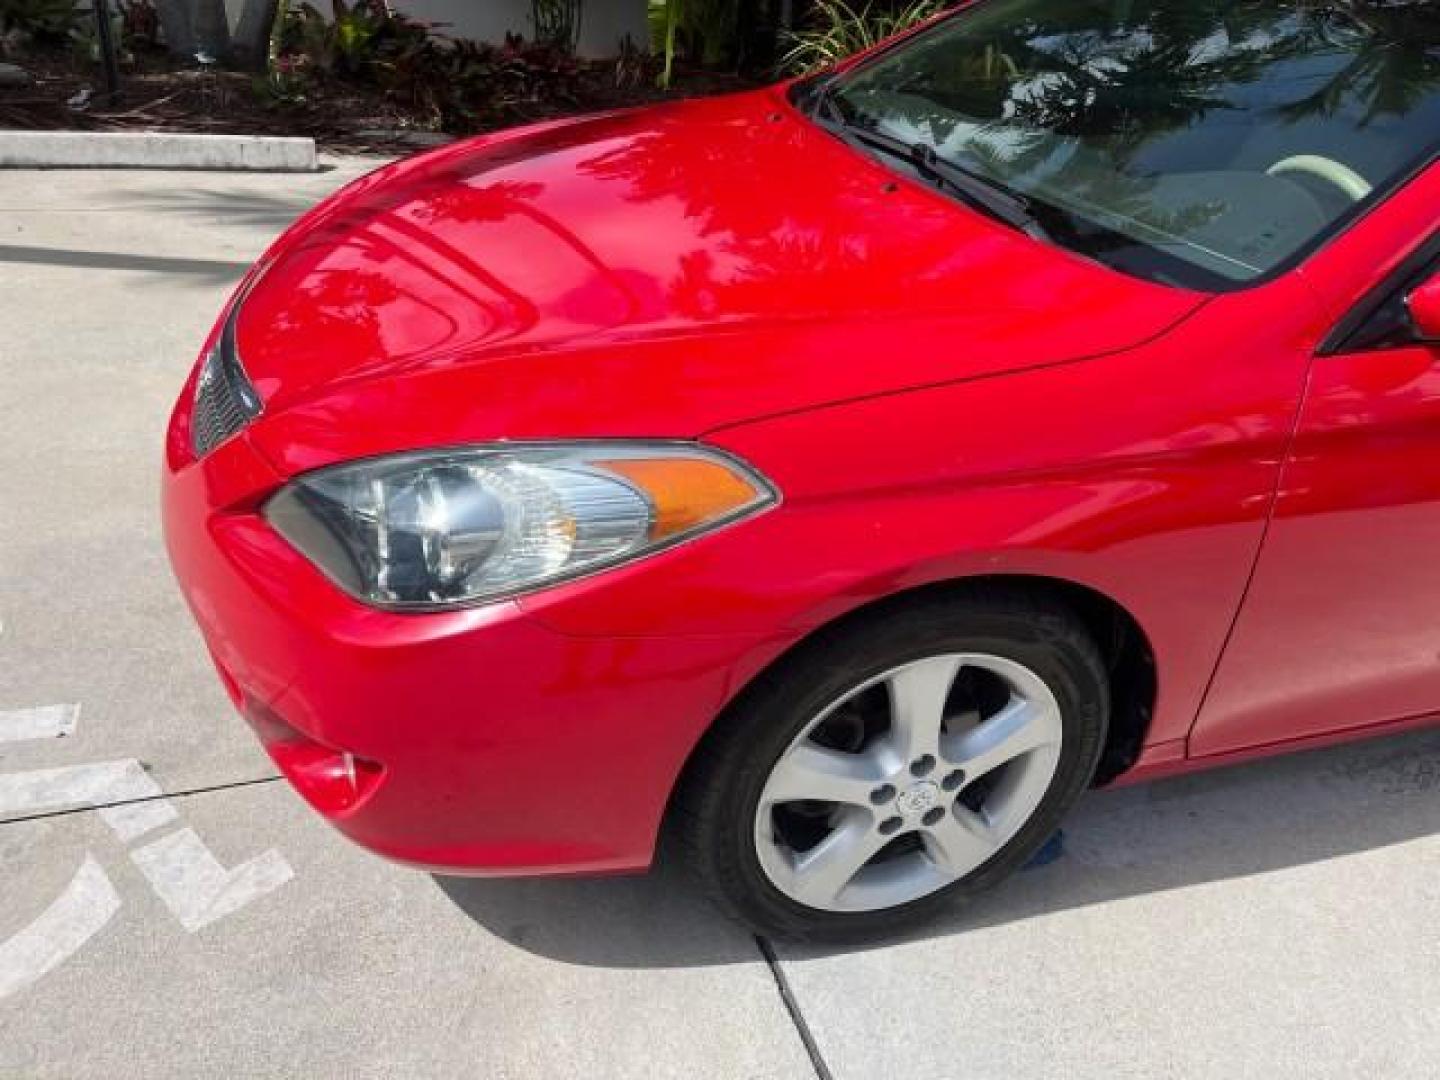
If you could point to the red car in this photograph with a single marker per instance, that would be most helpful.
(844, 477)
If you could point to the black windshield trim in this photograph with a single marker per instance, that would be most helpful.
(974, 189)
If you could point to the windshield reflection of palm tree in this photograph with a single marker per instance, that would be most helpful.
(1158, 68)
(1392, 68)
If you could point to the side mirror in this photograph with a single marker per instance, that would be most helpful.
(1424, 306)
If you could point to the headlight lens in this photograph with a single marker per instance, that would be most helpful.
(444, 528)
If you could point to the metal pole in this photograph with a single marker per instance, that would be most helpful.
(108, 58)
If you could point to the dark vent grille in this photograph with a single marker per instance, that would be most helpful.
(224, 401)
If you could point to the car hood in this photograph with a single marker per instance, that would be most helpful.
(661, 272)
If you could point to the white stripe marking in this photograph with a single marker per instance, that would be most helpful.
(133, 820)
(196, 888)
(41, 722)
(42, 790)
(77, 915)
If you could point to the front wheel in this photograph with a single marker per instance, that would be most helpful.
(897, 764)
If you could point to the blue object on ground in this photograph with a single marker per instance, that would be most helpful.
(1053, 849)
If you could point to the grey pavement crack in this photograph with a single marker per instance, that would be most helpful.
(792, 1006)
(88, 807)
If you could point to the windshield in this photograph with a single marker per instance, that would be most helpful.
(1205, 144)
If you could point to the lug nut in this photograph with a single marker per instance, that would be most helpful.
(953, 780)
(933, 815)
(889, 825)
(882, 794)
(922, 765)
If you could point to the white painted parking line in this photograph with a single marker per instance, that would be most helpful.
(196, 888)
(72, 919)
(41, 722)
(133, 820)
(184, 874)
(41, 790)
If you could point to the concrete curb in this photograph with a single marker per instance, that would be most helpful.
(154, 150)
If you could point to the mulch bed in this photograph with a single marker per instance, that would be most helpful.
(159, 94)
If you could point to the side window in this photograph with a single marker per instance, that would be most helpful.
(1380, 321)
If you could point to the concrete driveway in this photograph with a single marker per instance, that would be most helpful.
(1271, 921)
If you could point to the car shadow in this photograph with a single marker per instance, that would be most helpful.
(212, 200)
(214, 271)
(1210, 827)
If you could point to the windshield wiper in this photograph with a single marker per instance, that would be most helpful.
(976, 189)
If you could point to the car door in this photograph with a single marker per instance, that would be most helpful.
(1340, 626)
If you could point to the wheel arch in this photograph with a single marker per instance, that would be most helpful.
(1128, 654)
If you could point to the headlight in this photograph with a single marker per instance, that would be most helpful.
(443, 528)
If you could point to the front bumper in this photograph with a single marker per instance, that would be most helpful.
(479, 740)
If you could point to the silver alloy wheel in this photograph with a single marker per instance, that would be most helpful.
(949, 756)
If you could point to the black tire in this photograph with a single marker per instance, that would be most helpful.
(716, 803)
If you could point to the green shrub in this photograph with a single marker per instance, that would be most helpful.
(454, 84)
(45, 20)
(557, 22)
(836, 30)
(464, 85)
(705, 32)
(352, 40)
